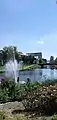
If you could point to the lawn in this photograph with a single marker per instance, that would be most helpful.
(32, 66)
(25, 67)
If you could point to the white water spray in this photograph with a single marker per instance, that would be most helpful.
(11, 70)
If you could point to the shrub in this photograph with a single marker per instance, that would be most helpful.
(9, 91)
(3, 96)
(54, 117)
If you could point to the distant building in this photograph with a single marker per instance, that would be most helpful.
(39, 54)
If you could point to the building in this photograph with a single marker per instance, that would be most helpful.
(39, 55)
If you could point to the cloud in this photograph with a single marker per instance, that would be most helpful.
(40, 42)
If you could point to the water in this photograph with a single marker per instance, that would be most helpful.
(35, 75)
(38, 75)
(11, 68)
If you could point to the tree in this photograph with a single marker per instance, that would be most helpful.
(44, 61)
(5, 53)
(56, 60)
(40, 61)
(10, 52)
(52, 60)
(1, 57)
(18, 54)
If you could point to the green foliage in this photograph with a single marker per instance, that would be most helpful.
(34, 95)
(42, 61)
(51, 59)
(28, 59)
(56, 61)
(3, 96)
(54, 117)
(6, 53)
(9, 91)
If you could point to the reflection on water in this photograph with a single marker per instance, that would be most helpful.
(38, 74)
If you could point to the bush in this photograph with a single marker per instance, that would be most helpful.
(3, 96)
(9, 91)
(54, 117)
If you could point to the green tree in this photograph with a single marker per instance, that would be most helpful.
(44, 61)
(8, 51)
(18, 54)
(5, 53)
(52, 60)
(40, 61)
(56, 60)
(1, 57)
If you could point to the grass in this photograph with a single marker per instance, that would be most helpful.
(25, 67)
(29, 67)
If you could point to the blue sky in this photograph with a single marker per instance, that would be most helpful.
(31, 25)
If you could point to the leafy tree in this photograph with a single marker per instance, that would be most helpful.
(1, 57)
(56, 60)
(44, 61)
(51, 60)
(5, 53)
(18, 55)
(8, 52)
(40, 61)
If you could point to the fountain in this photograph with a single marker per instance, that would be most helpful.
(11, 67)
(11, 70)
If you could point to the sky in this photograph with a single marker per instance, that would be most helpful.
(30, 25)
